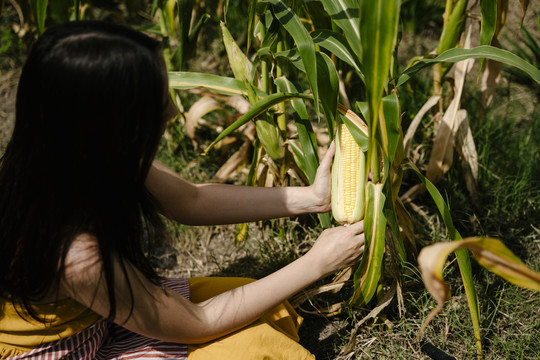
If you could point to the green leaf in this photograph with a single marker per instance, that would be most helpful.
(319, 17)
(306, 135)
(362, 108)
(391, 216)
(453, 28)
(303, 41)
(257, 109)
(240, 64)
(39, 10)
(337, 45)
(59, 10)
(378, 30)
(346, 15)
(298, 155)
(488, 25)
(293, 57)
(329, 88)
(252, 14)
(462, 255)
(484, 51)
(219, 84)
(390, 125)
(489, 21)
(366, 277)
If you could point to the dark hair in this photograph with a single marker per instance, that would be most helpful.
(90, 112)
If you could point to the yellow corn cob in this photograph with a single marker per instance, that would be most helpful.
(348, 179)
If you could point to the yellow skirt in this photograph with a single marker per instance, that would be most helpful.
(274, 336)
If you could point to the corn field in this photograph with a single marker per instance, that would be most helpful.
(309, 72)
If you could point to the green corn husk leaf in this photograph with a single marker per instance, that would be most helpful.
(240, 64)
(356, 126)
(366, 277)
(269, 136)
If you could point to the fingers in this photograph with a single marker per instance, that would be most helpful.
(357, 227)
(326, 162)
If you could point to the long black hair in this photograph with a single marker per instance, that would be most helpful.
(91, 107)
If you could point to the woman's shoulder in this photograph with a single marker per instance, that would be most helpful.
(83, 251)
(83, 260)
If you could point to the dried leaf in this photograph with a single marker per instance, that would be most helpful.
(302, 297)
(443, 148)
(467, 150)
(407, 140)
(491, 75)
(200, 108)
(490, 253)
(382, 303)
(228, 170)
(524, 6)
(239, 103)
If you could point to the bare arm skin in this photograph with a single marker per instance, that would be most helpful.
(168, 316)
(213, 204)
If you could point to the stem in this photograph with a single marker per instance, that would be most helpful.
(281, 119)
(264, 66)
(373, 150)
(375, 176)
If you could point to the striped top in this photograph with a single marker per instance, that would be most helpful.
(19, 335)
(75, 332)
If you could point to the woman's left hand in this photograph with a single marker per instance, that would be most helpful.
(322, 186)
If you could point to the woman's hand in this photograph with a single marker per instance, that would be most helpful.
(322, 185)
(338, 248)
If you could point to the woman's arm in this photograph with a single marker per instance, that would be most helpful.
(212, 204)
(168, 316)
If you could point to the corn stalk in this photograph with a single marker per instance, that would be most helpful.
(362, 36)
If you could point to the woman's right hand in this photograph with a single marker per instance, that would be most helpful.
(338, 248)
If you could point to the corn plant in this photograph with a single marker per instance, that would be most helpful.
(361, 35)
(37, 14)
(450, 122)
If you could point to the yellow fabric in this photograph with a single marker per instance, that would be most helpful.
(19, 335)
(274, 336)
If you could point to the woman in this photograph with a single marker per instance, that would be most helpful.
(81, 192)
